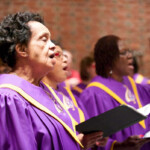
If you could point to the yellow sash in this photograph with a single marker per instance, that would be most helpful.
(81, 114)
(41, 107)
(117, 98)
(62, 105)
(67, 84)
(76, 88)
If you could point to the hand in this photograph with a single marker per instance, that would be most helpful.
(131, 143)
(102, 142)
(89, 140)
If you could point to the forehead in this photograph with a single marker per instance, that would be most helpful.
(121, 44)
(58, 48)
(67, 54)
(38, 28)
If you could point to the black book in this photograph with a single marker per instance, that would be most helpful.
(111, 121)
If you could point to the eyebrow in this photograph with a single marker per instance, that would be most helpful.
(65, 55)
(44, 34)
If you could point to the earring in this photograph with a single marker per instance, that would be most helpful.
(110, 72)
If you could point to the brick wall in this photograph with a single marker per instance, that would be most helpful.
(77, 24)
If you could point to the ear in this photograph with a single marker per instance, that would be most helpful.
(21, 50)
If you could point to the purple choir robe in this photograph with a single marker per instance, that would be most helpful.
(62, 89)
(64, 84)
(96, 101)
(138, 78)
(78, 115)
(78, 89)
(24, 126)
(66, 99)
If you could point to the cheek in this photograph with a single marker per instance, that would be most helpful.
(36, 49)
(125, 62)
(40, 46)
(58, 69)
(122, 61)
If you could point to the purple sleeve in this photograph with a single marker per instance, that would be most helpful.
(144, 93)
(15, 125)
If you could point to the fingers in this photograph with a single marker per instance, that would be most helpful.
(89, 140)
(102, 142)
(144, 141)
(93, 137)
(137, 142)
(80, 137)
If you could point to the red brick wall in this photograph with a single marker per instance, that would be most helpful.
(77, 24)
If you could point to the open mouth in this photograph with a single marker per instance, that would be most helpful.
(65, 68)
(130, 62)
(131, 65)
(51, 56)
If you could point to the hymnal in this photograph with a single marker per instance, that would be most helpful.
(111, 121)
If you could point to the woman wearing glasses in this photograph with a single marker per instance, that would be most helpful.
(112, 87)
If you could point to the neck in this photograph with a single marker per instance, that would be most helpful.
(117, 78)
(86, 82)
(28, 73)
(51, 83)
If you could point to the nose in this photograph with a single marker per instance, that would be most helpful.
(51, 45)
(129, 54)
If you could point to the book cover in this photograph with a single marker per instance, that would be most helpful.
(111, 121)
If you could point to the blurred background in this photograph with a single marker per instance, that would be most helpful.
(77, 24)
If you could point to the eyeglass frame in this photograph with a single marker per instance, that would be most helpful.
(125, 52)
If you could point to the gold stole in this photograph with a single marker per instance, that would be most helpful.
(117, 98)
(76, 88)
(43, 108)
(139, 79)
(81, 114)
(67, 84)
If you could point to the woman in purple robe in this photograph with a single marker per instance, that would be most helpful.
(50, 83)
(30, 117)
(112, 87)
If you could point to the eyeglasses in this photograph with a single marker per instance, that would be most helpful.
(126, 52)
